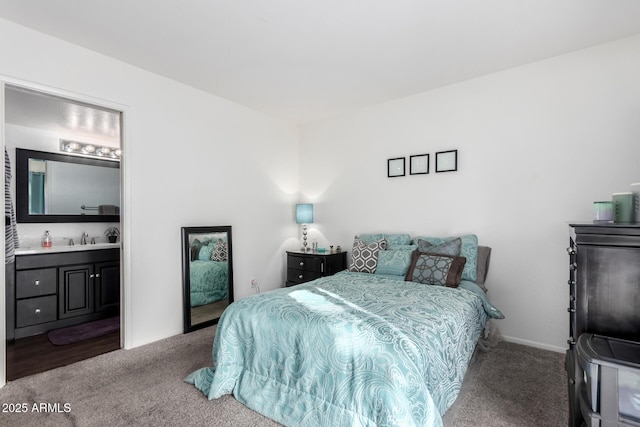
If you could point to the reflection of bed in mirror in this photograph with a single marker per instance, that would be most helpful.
(208, 289)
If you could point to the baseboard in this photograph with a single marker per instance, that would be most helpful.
(535, 344)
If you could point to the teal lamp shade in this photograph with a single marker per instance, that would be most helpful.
(304, 213)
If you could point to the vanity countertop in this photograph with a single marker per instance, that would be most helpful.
(33, 250)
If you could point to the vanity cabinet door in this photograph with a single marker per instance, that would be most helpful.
(75, 296)
(108, 286)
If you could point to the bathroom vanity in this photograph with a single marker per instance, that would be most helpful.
(62, 286)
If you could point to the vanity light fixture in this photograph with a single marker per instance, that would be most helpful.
(92, 150)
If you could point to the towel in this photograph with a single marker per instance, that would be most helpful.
(108, 210)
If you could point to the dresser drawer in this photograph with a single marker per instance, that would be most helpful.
(300, 276)
(311, 264)
(35, 283)
(32, 311)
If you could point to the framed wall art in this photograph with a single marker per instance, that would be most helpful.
(447, 161)
(395, 167)
(419, 164)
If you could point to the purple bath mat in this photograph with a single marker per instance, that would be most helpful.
(84, 331)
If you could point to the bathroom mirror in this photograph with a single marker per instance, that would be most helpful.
(207, 275)
(52, 187)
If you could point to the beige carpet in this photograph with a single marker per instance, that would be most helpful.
(512, 385)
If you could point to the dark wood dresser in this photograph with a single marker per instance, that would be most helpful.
(305, 266)
(604, 293)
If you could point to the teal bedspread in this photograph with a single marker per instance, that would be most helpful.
(208, 281)
(351, 349)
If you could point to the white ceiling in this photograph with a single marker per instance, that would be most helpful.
(304, 60)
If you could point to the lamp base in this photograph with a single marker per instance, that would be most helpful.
(304, 247)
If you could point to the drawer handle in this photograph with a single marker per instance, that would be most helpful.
(37, 311)
(300, 276)
(98, 275)
(92, 276)
(571, 310)
(572, 282)
(571, 251)
(301, 263)
(37, 283)
(573, 266)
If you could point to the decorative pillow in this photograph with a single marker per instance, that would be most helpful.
(396, 240)
(393, 240)
(219, 251)
(394, 262)
(451, 248)
(195, 250)
(364, 257)
(409, 248)
(369, 238)
(439, 270)
(205, 253)
(468, 249)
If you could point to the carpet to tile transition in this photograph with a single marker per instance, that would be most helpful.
(84, 331)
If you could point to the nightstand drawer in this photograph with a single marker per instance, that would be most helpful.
(32, 311)
(305, 266)
(35, 283)
(300, 276)
(307, 263)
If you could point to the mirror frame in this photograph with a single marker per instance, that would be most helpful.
(186, 272)
(22, 187)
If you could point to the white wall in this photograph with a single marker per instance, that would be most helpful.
(190, 159)
(537, 145)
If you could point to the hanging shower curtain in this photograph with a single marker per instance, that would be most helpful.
(36, 193)
(10, 229)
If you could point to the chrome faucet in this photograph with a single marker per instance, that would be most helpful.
(83, 239)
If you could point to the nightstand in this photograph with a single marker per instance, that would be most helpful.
(305, 266)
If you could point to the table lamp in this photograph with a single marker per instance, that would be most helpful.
(304, 216)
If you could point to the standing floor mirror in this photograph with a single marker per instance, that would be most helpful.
(207, 275)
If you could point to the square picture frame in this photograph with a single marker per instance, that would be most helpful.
(447, 161)
(395, 167)
(419, 164)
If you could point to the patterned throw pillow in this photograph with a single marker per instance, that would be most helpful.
(439, 270)
(394, 262)
(369, 238)
(205, 253)
(469, 250)
(195, 249)
(219, 251)
(451, 248)
(364, 257)
(394, 241)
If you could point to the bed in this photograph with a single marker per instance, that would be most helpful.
(208, 271)
(352, 349)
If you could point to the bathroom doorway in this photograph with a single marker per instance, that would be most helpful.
(63, 301)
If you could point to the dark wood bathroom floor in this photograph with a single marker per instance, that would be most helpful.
(28, 356)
